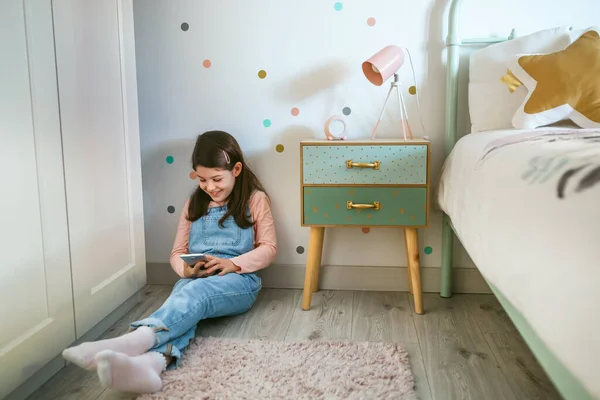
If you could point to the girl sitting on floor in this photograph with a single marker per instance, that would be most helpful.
(228, 218)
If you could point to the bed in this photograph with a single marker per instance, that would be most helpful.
(524, 201)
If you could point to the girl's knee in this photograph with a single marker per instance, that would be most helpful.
(181, 283)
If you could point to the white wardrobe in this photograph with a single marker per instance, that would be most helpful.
(71, 217)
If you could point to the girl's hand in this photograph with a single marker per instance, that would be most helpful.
(195, 271)
(225, 265)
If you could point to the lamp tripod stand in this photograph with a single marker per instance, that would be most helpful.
(395, 84)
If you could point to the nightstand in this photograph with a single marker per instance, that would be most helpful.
(381, 183)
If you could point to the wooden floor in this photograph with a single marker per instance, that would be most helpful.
(461, 348)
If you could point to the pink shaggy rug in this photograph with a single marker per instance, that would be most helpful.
(215, 368)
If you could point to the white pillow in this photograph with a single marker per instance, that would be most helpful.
(491, 104)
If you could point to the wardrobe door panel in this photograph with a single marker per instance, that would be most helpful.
(36, 301)
(96, 76)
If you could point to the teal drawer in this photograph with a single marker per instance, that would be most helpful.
(398, 206)
(399, 164)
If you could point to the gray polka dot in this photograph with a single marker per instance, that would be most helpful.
(185, 26)
(346, 110)
(299, 249)
(171, 209)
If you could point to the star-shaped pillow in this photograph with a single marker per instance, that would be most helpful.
(561, 85)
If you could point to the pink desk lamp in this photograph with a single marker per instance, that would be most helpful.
(381, 66)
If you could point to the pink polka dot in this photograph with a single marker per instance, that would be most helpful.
(295, 111)
(371, 21)
(366, 230)
(206, 63)
(193, 175)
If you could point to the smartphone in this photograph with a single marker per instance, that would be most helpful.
(192, 259)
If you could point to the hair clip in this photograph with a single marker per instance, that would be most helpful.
(227, 159)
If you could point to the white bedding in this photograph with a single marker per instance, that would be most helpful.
(533, 230)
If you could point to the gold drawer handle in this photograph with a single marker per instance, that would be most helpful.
(350, 205)
(374, 165)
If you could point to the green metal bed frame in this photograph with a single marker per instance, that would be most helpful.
(567, 385)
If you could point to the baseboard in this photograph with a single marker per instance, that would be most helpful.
(38, 379)
(337, 277)
(58, 363)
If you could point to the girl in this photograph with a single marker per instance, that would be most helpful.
(228, 217)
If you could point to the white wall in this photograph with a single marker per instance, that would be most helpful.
(312, 54)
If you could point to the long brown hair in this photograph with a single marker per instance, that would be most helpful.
(218, 149)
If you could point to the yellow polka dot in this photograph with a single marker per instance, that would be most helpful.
(402, 211)
(395, 193)
(412, 217)
(348, 218)
(369, 216)
(307, 191)
(279, 148)
(325, 215)
(351, 192)
(392, 219)
(337, 206)
(262, 74)
(412, 90)
(315, 210)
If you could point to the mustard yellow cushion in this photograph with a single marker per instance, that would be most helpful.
(562, 85)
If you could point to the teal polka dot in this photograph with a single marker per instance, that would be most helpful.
(338, 6)
(267, 123)
(170, 160)
(428, 250)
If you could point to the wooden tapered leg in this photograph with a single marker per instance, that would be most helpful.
(318, 257)
(412, 250)
(313, 265)
(410, 286)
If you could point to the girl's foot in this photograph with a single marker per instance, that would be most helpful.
(140, 374)
(133, 344)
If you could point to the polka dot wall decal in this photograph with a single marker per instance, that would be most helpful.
(267, 123)
(366, 230)
(185, 26)
(206, 63)
(371, 21)
(337, 6)
(299, 249)
(192, 175)
(171, 209)
(346, 111)
(295, 111)
(428, 250)
(279, 148)
(262, 74)
(170, 159)
(412, 90)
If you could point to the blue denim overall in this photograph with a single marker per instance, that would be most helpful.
(193, 300)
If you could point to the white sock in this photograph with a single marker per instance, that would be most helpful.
(140, 374)
(132, 343)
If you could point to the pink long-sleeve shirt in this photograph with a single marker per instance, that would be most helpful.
(265, 241)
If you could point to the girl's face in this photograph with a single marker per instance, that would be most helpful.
(218, 183)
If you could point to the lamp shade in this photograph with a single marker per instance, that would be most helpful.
(383, 64)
